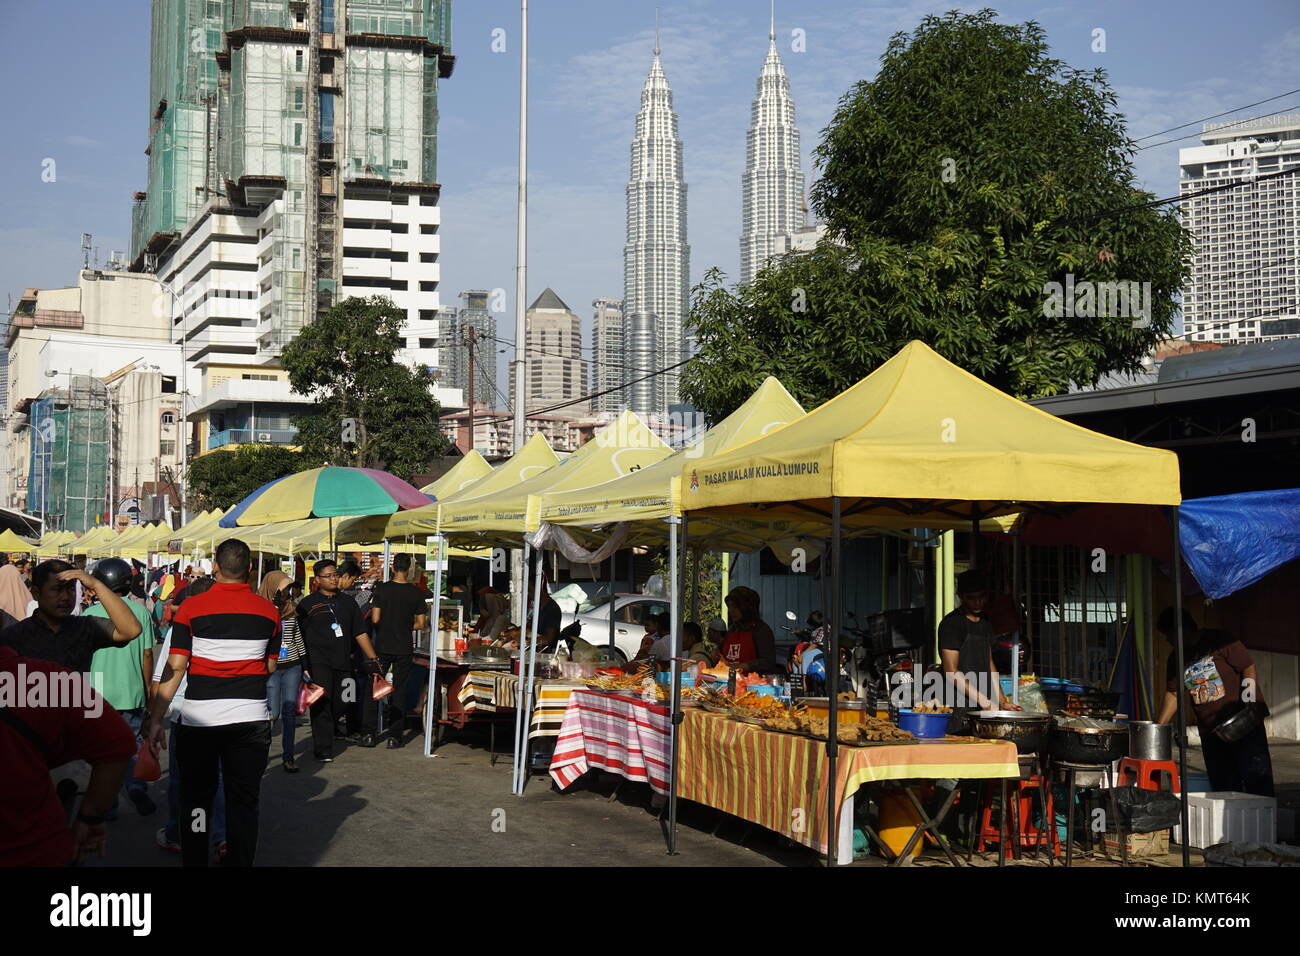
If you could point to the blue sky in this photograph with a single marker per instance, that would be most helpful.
(74, 77)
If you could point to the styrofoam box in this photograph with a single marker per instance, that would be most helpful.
(1227, 817)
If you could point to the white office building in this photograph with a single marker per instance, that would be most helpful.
(1244, 285)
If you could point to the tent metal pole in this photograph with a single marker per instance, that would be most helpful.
(519, 684)
(388, 555)
(431, 700)
(678, 571)
(613, 560)
(1015, 592)
(538, 574)
(833, 689)
(1180, 664)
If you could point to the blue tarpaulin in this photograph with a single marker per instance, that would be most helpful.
(1231, 541)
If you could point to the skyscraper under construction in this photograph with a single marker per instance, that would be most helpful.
(292, 163)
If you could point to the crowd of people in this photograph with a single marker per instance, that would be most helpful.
(199, 664)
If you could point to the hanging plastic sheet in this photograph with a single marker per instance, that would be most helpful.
(1231, 541)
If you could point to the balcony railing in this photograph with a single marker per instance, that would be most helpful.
(250, 436)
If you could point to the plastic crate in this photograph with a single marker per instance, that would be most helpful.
(1225, 817)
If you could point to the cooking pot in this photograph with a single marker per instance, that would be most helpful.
(1087, 745)
(1027, 730)
(1148, 740)
(1237, 726)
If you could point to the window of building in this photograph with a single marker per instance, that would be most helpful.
(168, 418)
(169, 384)
(167, 447)
(297, 61)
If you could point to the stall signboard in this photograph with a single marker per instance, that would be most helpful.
(175, 545)
(435, 554)
(289, 568)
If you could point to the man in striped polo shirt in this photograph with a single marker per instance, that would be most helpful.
(228, 639)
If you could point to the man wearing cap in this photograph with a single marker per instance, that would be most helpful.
(966, 651)
(124, 675)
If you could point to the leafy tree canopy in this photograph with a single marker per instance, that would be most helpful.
(371, 411)
(220, 479)
(971, 173)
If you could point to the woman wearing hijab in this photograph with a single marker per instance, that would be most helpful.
(15, 596)
(282, 686)
(749, 645)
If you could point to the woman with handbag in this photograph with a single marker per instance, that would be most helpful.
(282, 686)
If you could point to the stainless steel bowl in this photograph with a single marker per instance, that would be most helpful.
(1148, 740)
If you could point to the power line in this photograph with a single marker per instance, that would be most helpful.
(1217, 115)
(1235, 184)
(1252, 119)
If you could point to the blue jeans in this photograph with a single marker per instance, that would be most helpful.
(174, 797)
(282, 698)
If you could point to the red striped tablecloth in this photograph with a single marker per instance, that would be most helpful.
(622, 734)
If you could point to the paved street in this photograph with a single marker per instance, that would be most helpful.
(396, 808)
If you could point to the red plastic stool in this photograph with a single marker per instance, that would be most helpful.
(1032, 792)
(1149, 774)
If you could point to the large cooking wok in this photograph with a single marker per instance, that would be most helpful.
(1027, 730)
(1088, 745)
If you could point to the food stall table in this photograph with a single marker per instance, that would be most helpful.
(620, 733)
(453, 671)
(778, 780)
(491, 692)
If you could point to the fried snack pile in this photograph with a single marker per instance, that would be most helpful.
(756, 705)
(620, 681)
(872, 729)
(931, 708)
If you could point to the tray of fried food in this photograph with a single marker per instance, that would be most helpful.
(931, 707)
(793, 720)
(756, 708)
(615, 683)
(713, 700)
(872, 732)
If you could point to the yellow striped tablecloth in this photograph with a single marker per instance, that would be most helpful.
(492, 691)
(778, 781)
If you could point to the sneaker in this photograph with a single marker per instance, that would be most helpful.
(394, 743)
(165, 842)
(142, 802)
(368, 740)
(324, 758)
(222, 850)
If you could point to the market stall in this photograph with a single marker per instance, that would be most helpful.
(495, 692)
(921, 440)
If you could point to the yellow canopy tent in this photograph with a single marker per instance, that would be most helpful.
(620, 448)
(11, 542)
(652, 494)
(90, 542)
(131, 536)
(925, 441)
(52, 541)
(469, 469)
(921, 439)
(531, 460)
(369, 530)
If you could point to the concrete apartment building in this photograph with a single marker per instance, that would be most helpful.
(607, 356)
(293, 163)
(555, 371)
(474, 313)
(1244, 285)
(92, 407)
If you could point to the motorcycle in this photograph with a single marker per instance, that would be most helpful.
(890, 646)
(807, 664)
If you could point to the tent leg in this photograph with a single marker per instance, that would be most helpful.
(1015, 597)
(613, 559)
(678, 571)
(538, 574)
(388, 554)
(431, 701)
(519, 684)
(833, 689)
(1177, 562)
(260, 557)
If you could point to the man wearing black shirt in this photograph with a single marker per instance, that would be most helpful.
(966, 651)
(54, 633)
(396, 609)
(330, 622)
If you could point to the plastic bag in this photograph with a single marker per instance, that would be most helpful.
(1146, 811)
(1031, 697)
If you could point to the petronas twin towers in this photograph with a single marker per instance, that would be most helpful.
(656, 257)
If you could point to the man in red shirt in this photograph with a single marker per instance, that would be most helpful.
(35, 739)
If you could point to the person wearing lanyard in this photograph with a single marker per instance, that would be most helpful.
(330, 622)
(750, 645)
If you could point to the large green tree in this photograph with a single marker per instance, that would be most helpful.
(972, 173)
(371, 411)
(220, 479)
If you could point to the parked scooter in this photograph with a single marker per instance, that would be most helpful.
(807, 664)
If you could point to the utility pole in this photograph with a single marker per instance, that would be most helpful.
(471, 333)
(521, 284)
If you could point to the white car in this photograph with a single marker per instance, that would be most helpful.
(630, 613)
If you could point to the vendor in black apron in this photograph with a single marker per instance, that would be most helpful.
(966, 652)
(750, 645)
